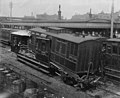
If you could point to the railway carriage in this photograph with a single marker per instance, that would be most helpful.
(19, 40)
(111, 57)
(68, 52)
(5, 36)
(75, 55)
(72, 57)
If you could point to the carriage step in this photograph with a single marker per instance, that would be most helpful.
(4, 42)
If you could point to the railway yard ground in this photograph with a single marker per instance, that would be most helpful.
(54, 85)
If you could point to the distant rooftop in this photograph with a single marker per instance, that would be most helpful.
(101, 15)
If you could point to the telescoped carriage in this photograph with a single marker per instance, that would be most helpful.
(75, 55)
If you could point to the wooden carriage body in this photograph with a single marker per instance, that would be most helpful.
(67, 51)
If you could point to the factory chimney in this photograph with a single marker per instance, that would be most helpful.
(59, 13)
(90, 14)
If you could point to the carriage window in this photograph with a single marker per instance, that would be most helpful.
(43, 46)
(119, 50)
(24, 41)
(114, 49)
(33, 39)
(60, 47)
(74, 49)
(37, 44)
(104, 48)
(108, 49)
(57, 46)
(63, 48)
(15, 40)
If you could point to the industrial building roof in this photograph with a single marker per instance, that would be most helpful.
(65, 25)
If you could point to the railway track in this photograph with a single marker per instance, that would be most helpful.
(5, 42)
(113, 76)
(112, 73)
(40, 81)
(24, 73)
(111, 92)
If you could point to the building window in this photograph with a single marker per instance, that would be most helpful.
(114, 49)
(73, 49)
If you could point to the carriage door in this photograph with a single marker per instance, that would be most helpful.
(13, 42)
(44, 49)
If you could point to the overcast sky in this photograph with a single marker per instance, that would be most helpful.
(68, 7)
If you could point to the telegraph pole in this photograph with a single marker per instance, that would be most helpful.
(1, 7)
(11, 7)
(112, 19)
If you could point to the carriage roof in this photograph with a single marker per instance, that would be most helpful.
(21, 33)
(66, 36)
